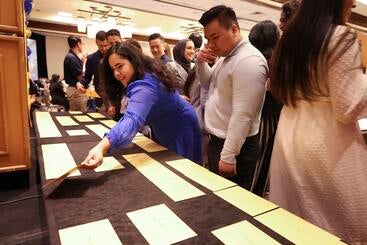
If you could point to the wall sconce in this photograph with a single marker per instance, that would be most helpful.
(82, 24)
(125, 31)
(92, 30)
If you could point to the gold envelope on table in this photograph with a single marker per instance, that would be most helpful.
(46, 126)
(57, 160)
(201, 175)
(92, 93)
(97, 232)
(295, 229)
(159, 225)
(243, 233)
(148, 144)
(171, 184)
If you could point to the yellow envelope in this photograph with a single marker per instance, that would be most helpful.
(98, 129)
(148, 144)
(243, 233)
(201, 175)
(109, 163)
(245, 200)
(66, 121)
(77, 132)
(97, 232)
(159, 225)
(46, 126)
(296, 229)
(171, 184)
(96, 115)
(108, 123)
(92, 93)
(83, 118)
(75, 112)
(57, 160)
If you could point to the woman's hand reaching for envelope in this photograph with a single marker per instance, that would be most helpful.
(95, 155)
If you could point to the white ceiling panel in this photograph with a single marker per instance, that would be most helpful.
(170, 17)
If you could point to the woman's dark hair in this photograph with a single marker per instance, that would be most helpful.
(73, 41)
(55, 78)
(197, 39)
(191, 76)
(264, 36)
(290, 8)
(135, 43)
(141, 64)
(179, 54)
(301, 59)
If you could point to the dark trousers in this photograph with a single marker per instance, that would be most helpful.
(246, 160)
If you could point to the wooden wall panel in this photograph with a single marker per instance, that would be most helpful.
(14, 131)
(3, 133)
(12, 16)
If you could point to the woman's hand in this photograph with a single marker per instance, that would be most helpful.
(111, 111)
(95, 155)
(94, 158)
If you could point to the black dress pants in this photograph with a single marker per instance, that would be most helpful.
(246, 160)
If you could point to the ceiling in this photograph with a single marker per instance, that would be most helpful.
(173, 18)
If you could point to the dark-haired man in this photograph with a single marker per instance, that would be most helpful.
(92, 68)
(73, 74)
(156, 44)
(236, 86)
(113, 37)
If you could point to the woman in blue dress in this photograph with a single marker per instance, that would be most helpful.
(149, 90)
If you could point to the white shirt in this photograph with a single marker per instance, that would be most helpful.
(236, 95)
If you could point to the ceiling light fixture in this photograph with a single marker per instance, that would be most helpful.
(103, 18)
(64, 14)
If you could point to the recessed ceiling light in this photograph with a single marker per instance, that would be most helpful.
(129, 23)
(65, 14)
(63, 19)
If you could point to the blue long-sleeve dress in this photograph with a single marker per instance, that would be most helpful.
(172, 120)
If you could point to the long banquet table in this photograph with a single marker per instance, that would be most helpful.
(147, 194)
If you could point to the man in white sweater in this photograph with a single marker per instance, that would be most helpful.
(236, 86)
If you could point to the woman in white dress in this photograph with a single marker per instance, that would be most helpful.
(319, 160)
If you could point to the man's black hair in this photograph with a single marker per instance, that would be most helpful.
(225, 15)
(155, 36)
(101, 35)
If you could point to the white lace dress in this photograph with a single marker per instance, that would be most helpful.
(319, 162)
